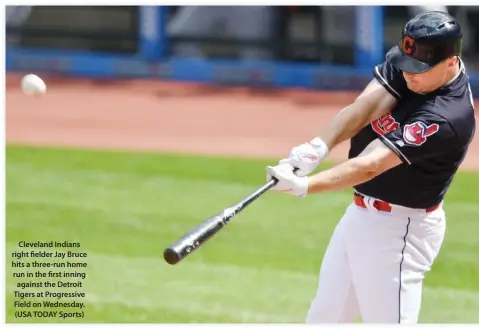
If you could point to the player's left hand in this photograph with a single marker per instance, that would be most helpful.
(307, 156)
(288, 182)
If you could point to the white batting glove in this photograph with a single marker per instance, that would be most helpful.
(307, 156)
(288, 182)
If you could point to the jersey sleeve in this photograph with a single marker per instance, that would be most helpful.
(391, 78)
(422, 136)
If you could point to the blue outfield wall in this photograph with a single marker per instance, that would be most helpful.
(252, 73)
(227, 72)
(151, 61)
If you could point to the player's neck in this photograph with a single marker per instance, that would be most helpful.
(454, 74)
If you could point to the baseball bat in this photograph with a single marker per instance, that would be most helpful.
(197, 236)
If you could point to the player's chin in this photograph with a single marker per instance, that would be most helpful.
(414, 86)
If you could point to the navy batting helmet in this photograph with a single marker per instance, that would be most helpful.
(427, 39)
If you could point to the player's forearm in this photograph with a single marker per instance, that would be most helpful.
(347, 123)
(375, 159)
(373, 102)
(350, 173)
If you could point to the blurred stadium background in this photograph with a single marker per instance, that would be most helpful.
(155, 89)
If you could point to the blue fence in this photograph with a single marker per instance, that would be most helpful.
(152, 62)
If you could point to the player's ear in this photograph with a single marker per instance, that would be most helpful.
(452, 61)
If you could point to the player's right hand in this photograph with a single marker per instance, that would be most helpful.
(288, 182)
(306, 157)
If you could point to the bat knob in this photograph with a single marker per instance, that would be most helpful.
(170, 256)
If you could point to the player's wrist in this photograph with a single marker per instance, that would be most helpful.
(320, 146)
(302, 186)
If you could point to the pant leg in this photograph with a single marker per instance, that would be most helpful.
(335, 300)
(389, 256)
(423, 244)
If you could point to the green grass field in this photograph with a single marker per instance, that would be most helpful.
(124, 208)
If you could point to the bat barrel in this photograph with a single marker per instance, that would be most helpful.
(171, 256)
(195, 238)
(207, 229)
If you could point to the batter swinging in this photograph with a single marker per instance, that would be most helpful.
(410, 130)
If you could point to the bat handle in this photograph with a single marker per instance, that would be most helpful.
(295, 169)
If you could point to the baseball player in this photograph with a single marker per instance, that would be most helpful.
(410, 130)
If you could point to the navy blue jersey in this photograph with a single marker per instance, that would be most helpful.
(429, 132)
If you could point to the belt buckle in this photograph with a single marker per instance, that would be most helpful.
(369, 202)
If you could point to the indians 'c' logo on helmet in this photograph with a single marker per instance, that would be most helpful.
(407, 45)
(417, 133)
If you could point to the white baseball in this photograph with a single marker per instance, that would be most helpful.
(33, 85)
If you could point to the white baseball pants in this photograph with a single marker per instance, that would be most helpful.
(375, 264)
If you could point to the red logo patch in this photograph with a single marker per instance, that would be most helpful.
(407, 45)
(417, 133)
(384, 124)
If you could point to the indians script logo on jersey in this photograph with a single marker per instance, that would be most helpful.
(384, 124)
(417, 133)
